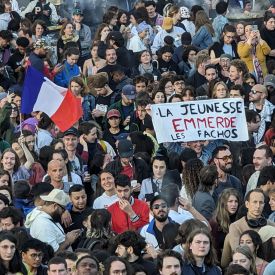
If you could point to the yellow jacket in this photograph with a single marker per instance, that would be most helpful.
(245, 53)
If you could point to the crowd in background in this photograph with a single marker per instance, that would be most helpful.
(104, 196)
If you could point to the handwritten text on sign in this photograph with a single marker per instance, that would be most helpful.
(200, 120)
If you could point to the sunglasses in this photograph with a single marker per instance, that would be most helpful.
(158, 206)
(226, 158)
(254, 92)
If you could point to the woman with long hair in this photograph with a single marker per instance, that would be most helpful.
(184, 231)
(244, 257)
(67, 35)
(11, 163)
(98, 231)
(38, 30)
(200, 255)
(220, 90)
(203, 200)
(110, 18)
(175, 13)
(102, 32)
(253, 51)
(9, 255)
(204, 31)
(191, 178)
(95, 63)
(253, 240)
(145, 65)
(80, 90)
(226, 211)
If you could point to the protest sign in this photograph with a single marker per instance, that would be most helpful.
(200, 120)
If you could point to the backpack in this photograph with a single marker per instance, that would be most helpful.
(91, 244)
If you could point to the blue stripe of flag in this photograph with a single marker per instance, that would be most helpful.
(31, 88)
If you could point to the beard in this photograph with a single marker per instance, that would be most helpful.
(226, 169)
(161, 218)
(56, 217)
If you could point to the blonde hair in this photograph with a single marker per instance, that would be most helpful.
(214, 92)
(244, 249)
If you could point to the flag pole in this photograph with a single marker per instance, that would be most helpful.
(20, 121)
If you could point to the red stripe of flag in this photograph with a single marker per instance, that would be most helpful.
(68, 113)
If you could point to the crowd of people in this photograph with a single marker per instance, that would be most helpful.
(104, 196)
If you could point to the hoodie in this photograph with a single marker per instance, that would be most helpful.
(40, 222)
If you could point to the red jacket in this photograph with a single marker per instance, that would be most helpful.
(121, 221)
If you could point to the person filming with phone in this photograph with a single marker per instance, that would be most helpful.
(253, 51)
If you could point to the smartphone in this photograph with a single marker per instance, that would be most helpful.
(134, 183)
(254, 27)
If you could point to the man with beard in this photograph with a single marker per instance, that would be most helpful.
(129, 246)
(223, 160)
(44, 223)
(152, 232)
(127, 213)
(224, 64)
(237, 70)
(78, 198)
(36, 59)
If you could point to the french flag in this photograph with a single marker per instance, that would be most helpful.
(41, 94)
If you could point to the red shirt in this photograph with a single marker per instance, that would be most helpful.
(121, 221)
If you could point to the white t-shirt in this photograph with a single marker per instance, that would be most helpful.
(104, 201)
(181, 216)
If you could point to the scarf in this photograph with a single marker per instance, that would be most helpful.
(73, 38)
(265, 114)
(257, 66)
(143, 70)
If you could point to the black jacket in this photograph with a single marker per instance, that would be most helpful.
(141, 169)
(217, 47)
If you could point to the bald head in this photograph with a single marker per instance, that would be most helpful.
(56, 170)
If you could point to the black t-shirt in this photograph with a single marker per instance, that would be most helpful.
(158, 236)
(149, 266)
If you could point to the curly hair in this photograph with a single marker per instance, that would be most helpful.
(191, 176)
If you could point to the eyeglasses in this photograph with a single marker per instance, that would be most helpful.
(38, 255)
(226, 158)
(158, 206)
(230, 37)
(254, 92)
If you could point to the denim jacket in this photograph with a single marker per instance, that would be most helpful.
(88, 105)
